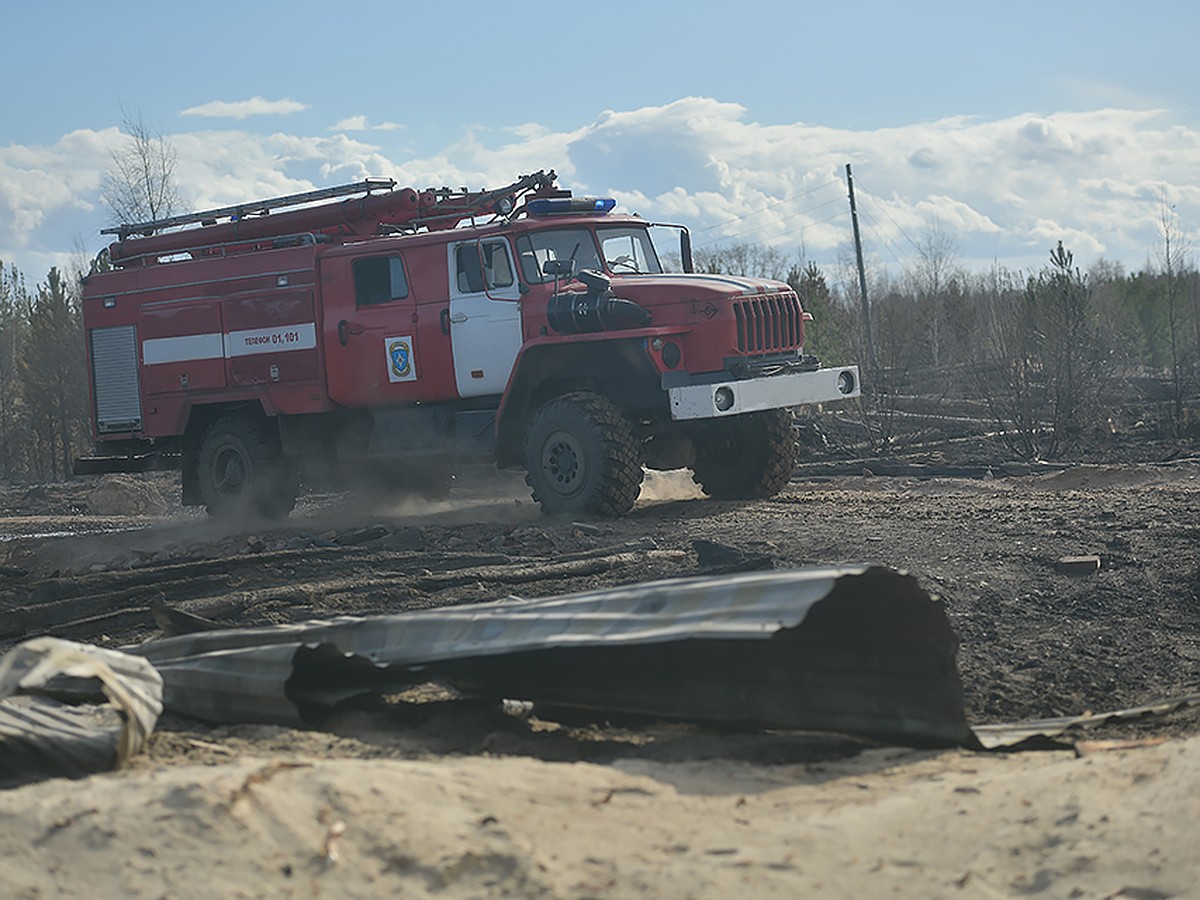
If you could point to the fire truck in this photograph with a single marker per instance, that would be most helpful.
(379, 337)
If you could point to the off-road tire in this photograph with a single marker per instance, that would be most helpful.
(581, 457)
(242, 470)
(746, 457)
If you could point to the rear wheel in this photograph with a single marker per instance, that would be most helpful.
(242, 470)
(746, 457)
(581, 457)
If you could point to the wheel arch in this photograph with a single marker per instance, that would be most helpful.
(242, 469)
(616, 368)
(200, 417)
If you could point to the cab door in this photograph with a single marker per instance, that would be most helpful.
(485, 315)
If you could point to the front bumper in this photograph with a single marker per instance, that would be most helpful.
(715, 399)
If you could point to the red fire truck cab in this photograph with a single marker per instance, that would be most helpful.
(382, 339)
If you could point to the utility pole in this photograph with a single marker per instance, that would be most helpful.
(862, 272)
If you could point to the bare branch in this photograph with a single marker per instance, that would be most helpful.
(139, 185)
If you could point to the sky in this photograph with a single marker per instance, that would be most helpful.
(1001, 128)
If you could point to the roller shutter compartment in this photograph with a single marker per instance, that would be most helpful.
(115, 379)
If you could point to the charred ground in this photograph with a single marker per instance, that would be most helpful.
(1034, 642)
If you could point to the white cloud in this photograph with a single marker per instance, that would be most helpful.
(1050, 233)
(49, 196)
(360, 123)
(1003, 189)
(955, 215)
(244, 109)
(217, 168)
(353, 123)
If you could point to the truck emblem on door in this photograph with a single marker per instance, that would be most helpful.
(400, 359)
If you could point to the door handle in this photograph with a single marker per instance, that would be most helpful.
(345, 328)
(458, 318)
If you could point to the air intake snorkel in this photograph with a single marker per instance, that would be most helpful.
(596, 310)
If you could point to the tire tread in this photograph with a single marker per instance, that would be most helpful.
(620, 481)
(762, 469)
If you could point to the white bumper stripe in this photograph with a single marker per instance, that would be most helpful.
(699, 401)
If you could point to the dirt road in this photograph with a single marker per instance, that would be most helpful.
(1035, 642)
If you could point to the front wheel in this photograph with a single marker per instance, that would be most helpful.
(242, 470)
(746, 457)
(581, 457)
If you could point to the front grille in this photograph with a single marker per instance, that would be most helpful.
(768, 323)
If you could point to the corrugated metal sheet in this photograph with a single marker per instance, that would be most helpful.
(858, 650)
(864, 650)
(42, 736)
(739, 606)
(1014, 735)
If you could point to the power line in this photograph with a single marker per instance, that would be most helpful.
(790, 217)
(715, 242)
(881, 237)
(876, 231)
(769, 206)
(800, 214)
(871, 196)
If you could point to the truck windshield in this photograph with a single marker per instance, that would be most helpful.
(628, 249)
(624, 249)
(539, 247)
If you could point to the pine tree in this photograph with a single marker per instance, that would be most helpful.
(52, 369)
(13, 440)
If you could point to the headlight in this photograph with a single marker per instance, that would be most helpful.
(845, 382)
(723, 398)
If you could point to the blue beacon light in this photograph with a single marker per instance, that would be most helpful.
(552, 206)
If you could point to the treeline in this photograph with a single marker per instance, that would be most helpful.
(43, 382)
(1052, 356)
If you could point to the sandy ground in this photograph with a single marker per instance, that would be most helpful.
(473, 802)
(884, 822)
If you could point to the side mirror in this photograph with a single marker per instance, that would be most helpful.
(559, 268)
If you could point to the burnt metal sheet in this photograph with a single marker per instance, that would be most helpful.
(1019, 735)
(860, 650)
(44, 729)
(857, 650)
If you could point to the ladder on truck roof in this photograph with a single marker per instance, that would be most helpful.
(253, 208)
(249, 227)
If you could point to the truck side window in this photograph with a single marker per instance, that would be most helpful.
(379, 279)
(470, 275)
(495, 272)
